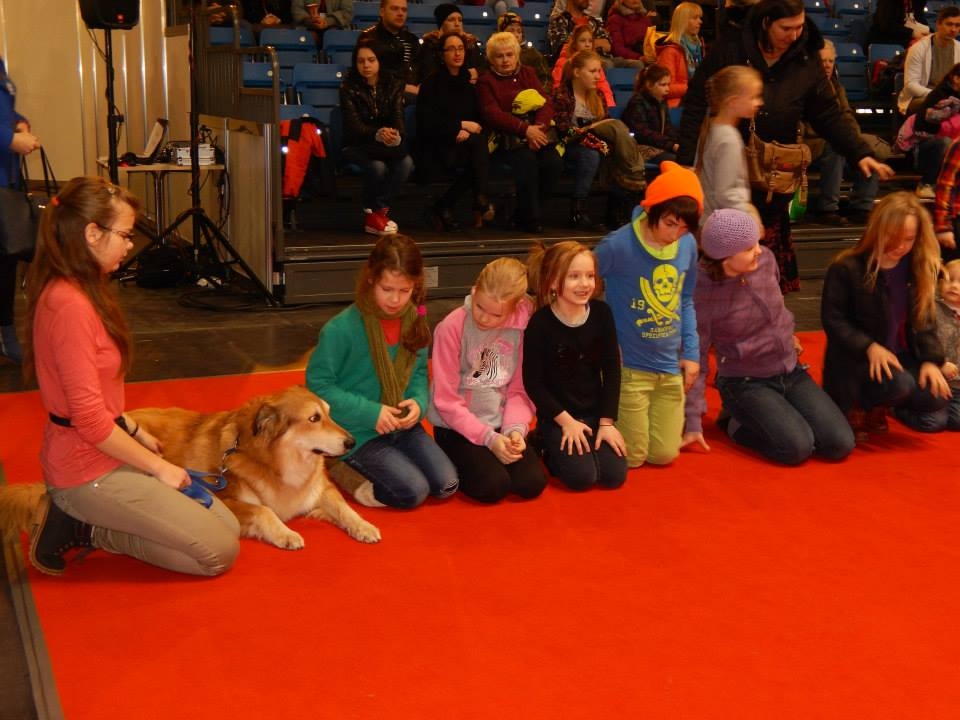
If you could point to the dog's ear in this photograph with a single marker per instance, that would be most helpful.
(269, 422)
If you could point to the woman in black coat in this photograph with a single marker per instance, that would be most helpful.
(784, 47)
(450, 137)
(878, 312)
(373, 132)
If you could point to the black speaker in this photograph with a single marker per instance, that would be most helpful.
(110, 14)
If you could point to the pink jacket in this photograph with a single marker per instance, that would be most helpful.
(459, 390)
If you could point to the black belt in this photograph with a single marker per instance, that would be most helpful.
(65, 422)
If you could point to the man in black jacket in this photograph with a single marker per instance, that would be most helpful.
(399, 49)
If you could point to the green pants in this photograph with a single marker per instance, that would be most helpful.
(650, 416)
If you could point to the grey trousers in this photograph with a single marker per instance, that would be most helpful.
(137, 515)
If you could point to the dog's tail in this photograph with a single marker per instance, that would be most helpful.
(17, 506)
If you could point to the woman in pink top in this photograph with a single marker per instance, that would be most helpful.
(108, 485)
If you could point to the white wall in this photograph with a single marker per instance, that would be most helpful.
(61, 80)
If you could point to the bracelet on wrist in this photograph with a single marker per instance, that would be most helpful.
(135, 431)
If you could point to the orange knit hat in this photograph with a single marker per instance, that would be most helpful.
(673, 181)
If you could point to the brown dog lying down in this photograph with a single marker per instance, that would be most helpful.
(276, 470)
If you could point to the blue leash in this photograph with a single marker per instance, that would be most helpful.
(202, 484)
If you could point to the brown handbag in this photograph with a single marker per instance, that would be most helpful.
(778, 168)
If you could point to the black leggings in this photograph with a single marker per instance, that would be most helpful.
(483, 477)
(8, 288)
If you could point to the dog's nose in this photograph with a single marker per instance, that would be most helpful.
(349, 443)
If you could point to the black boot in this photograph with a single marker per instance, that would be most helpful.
(579, 219)
(618, 210)
(53, 534)
(483, 211)
(443, 220)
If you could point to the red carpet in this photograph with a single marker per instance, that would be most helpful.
(722, 587)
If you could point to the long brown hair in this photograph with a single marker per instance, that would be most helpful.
(400, 254)
(886, 221)
(63, 253)
(720, 87)
(594, 99)
(547, 268)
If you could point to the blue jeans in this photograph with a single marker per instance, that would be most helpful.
(586, 162)
(601, 467)
(785, 418)
(404, 467)
(911, 403)
(944, 418)
(832, 166)
(381, 178)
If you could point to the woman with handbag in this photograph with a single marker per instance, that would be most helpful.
(783, 46)
(108, 486)
(16, 141)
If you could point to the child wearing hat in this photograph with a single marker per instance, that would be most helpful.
(649, 267)
(449, 19)
(770, 402)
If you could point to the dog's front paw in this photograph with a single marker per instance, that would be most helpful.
(364, 532)
(289, 541)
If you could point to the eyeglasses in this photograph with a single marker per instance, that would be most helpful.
(125, 234)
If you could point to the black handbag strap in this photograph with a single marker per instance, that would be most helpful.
(50, 185)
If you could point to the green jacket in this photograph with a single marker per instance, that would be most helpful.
(341, 371)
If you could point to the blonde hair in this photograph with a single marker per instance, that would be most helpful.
(886, 221)
(505, 280)
(547, 267)
(499, 41)
(595, 103)
(720, 87)
(681, 18)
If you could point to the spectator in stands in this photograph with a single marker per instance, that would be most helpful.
(890, 19)
(648, 117)
(928, 61)
(833, 164)
(627, 23)
(582, 40)
(399, 48)
(733, 18)
(449, 20)
(267, 13)
(524, 140)
(946, 203)
(937, 112)
(373, 131)
(562, 24)
(681, 50)
(450, 137)
(879, 314)
(322, 15)
(783, 46)
(529, 55)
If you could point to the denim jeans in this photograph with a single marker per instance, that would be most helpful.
(586, 162)
(832, 166)
(535, 175)
(930, 154)
(404, 467)
(916, 407)
(785, 418)
(920, 410)
(601, 467)
(381, 179)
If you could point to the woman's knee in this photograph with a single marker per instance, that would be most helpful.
(489, 489)
(222, 552)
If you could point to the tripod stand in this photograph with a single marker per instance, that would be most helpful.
(205, 231)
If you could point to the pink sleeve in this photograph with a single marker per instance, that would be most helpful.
(451, 405)
(604, 87)
(518, 410)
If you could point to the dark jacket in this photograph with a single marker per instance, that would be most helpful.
(444, 102)
(794, 88)
(649, 121)
(366, 110)
(853, 318)
(398, 54)
(888, 17)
